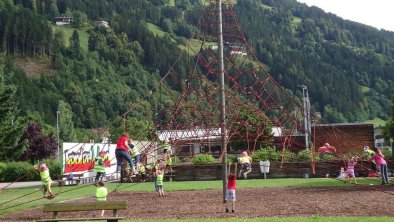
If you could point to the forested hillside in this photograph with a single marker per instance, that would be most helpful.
(348, 67)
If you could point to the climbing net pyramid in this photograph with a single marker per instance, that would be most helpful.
(259, 112)
(257, 107)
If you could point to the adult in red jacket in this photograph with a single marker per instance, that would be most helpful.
(122, 151)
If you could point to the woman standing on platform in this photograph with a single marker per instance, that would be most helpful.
(122, 151)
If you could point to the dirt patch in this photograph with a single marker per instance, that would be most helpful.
(264, 202)
(34, 67)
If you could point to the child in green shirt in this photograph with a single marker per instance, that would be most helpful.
(101, 193)
(45, 180)
(159, 182)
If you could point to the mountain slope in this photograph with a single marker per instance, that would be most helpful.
(348, 67)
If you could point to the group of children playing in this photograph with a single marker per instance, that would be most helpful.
(374, 155)
(158, 169)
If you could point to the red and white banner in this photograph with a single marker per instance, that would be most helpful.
(80, 158)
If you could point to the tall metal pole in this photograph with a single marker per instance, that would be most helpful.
(304, 95)
(57, 134)
(223, 99)
(308, 115)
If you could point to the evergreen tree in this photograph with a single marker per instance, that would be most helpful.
(11, 127)
(79, 19)
(389, 128)
(75, 46)
(66, 124)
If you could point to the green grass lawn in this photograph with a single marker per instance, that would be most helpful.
(73, 192)
(68, 31)
(156, 29)
(378, 122)
(265, 6)
(364, 89)
(296, 21)
(193, 46)
(249, 60)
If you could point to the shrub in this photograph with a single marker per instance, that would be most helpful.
(19, 170)
(387, 153)
(55, 169)
(187, 160)
(268, 153)
(290, 156)
(176, 160)
(304, 155)
(329, 157)
(203, 159)
(232, 158)
(3, 166)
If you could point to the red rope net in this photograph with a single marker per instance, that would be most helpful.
(259, 112)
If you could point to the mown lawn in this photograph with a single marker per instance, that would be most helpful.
(68, 32)
(378, 122)
(156, 29)
(296, 21)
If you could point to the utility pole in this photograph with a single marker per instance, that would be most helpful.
(222, 99)
(307, 115)
(57, 133)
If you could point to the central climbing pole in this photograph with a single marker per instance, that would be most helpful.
(222, 98)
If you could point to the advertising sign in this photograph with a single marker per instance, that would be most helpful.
(80, 157)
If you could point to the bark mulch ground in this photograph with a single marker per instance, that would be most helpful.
(263, 202)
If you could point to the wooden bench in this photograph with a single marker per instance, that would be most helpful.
(76, 180)
(87, 206)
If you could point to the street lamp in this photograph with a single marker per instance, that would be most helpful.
(57, 133)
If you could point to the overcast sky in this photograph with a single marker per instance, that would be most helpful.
(376, 13)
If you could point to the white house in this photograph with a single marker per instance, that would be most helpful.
(238, 51)
(101, 23)
(380, 142)
(63, 20)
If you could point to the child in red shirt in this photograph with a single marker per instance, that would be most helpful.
(231, 186)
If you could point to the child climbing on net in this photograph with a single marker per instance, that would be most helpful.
(142, 172)
(246, 165)
(231, 186)
(350, 169)
(45, 180)
(381, 164)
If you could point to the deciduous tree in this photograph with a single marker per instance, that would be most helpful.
(40, 146)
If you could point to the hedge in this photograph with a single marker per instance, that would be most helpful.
(203, 159)
(24, 171)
